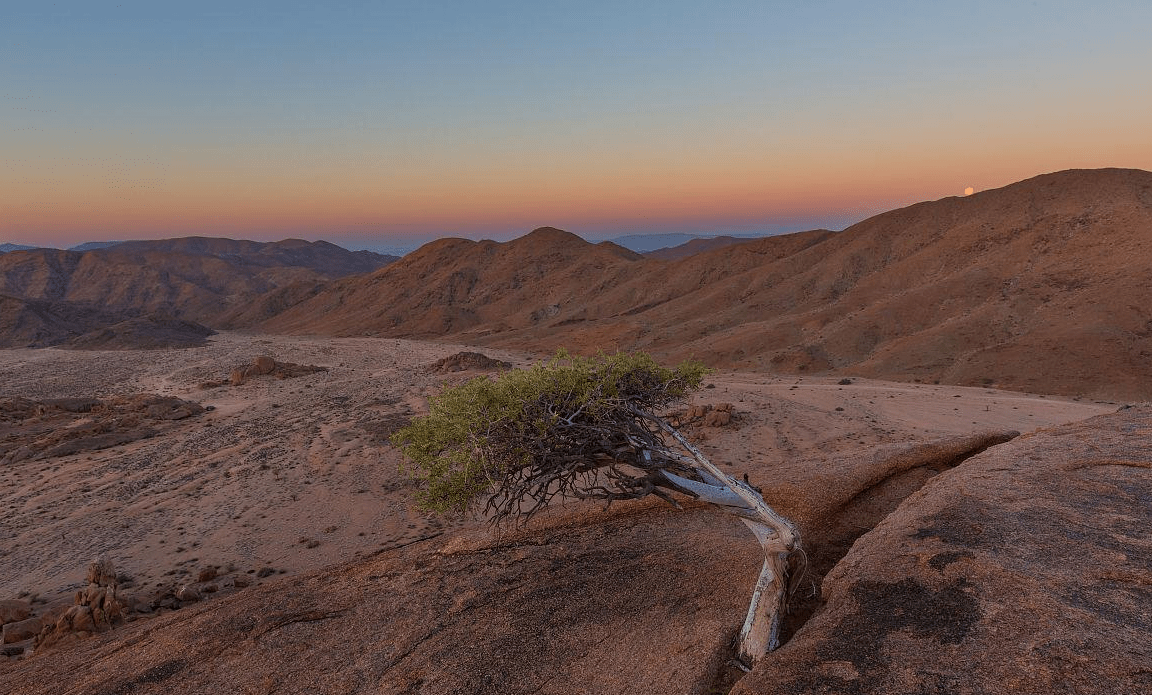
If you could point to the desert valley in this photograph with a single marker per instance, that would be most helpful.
(950, 400)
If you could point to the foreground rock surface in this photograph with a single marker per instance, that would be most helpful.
(1028, 569)
(643, 600)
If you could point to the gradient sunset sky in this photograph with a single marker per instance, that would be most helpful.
(378, 124)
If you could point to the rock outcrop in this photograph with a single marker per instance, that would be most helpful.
(468, 361)
(96, 608)
(58, 427)
(1028, 569)
(706, 415)
(1024, 568)
(265, 365)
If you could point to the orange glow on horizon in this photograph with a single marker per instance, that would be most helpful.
(209, 197)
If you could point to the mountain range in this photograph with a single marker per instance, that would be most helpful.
(1042, 285)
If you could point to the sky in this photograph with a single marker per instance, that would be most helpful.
(384, 124)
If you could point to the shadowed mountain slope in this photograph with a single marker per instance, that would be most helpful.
(1041, 285)
(33, 323)
(39, 323)
(193, 278)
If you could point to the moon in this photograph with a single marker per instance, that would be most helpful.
(969, 191)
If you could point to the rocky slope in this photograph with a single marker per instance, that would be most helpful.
(1041, 285)
(454, 285)
(39, 323)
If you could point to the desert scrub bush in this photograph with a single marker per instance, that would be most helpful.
(567, 426)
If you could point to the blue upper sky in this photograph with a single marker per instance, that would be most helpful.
(373, 121)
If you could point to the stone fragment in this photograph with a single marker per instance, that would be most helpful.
(188, 594)
(718, 418)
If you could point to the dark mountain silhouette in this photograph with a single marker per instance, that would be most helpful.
(7, 247)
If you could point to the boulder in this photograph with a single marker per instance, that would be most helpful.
(21, 630)
(187, 594)
(696, 412)
(262, 365)
(14, 610)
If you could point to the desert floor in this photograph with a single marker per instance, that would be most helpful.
(296, 474)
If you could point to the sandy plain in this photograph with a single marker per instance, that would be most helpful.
(296, 474)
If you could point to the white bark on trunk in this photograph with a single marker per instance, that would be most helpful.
(777, 536)
(760, 633)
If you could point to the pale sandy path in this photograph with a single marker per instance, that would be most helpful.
(281, 463)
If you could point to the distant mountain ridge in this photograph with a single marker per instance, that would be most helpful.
(56, 295)
(644, 243)
(693, 247)
(7, 247)
(93, 245)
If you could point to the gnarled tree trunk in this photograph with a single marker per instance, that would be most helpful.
(777, 536)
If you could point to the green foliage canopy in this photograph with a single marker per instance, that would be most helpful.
(570, 425)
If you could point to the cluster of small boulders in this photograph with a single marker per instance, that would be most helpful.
(103, 605)
(208, 581)
(96, 608)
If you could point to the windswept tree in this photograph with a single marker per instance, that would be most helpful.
(589, 428)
